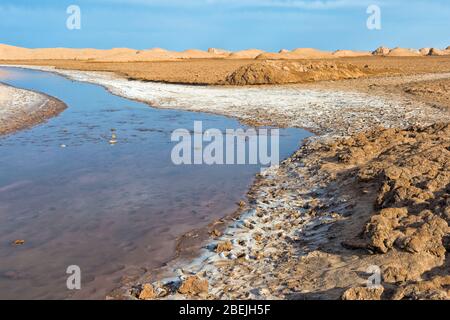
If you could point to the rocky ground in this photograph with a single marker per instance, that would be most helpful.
(20, 108)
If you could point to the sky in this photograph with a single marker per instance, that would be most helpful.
(230, 24)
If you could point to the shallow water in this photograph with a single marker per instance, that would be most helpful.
(115, 211)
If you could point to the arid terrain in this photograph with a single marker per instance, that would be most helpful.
(334, 214)
(247, 67)
(369, 194)
(220, 71)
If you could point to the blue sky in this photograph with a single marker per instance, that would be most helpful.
(231, 24)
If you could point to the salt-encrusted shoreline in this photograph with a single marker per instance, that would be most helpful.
(21, 108)
(323, 111)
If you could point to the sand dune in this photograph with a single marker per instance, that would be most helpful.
(350, 53)
(310, 53)
(297, 54)
(245, 54)
(8, 52)
(403, 52)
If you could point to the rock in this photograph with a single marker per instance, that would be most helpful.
(147, 293)
(224, 246)
(216, 233)
(434, 289)
(428, 238)
(257, 236)
(18, 242)
(363, 293)
(395, 274)
(193, 285)
(381, 228)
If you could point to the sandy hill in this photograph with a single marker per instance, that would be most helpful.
(245, 54)
(350, 53)
(297, 54)
(403, 52)
(195, 54)
(8, 52)
(284, 72)
(310, 53)
(17, 53)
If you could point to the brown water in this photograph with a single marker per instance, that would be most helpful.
(112, 210)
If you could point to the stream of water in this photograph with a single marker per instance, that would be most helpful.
(112, 210)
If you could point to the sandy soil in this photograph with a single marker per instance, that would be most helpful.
(21, 109)
(216, 71)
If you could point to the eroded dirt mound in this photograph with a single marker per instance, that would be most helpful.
(271, 72)
(410, 170)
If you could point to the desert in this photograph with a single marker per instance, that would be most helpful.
(367, 193)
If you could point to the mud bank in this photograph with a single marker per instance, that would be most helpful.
(326, 220)
(21, 109)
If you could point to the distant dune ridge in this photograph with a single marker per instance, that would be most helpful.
(8, 52)
(402, 52)
(245, 54)
(350, 53)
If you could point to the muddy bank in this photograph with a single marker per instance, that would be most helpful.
(318, 226)
(20, 109)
